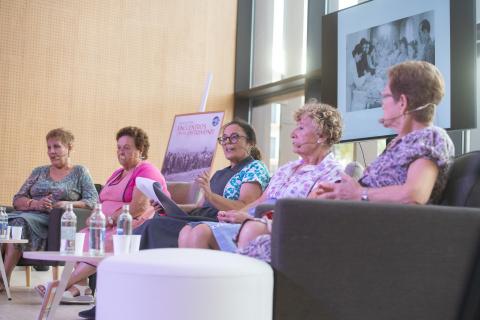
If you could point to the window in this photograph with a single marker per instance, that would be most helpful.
(279, 40)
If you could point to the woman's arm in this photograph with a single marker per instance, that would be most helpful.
(238, 216)
(139, 204)
(249, 192)
(89, 194)
(421, 177)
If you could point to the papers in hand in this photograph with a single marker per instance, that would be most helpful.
(146, 186)
(153, 190)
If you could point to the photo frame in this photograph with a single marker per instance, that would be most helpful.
(452, 30)
(192, 145)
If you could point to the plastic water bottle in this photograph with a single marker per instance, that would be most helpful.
(124, 224)
(67, 230)
(97, 232)
(3, 223)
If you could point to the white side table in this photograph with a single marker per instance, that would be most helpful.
(2, 266)
(70, 260)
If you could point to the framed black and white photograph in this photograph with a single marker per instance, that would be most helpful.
(360, 44)
(372, 51)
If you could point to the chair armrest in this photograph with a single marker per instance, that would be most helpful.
(261, 209)
(356, 260)
(187, 207)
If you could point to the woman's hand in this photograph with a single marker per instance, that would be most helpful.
(43, 204)
(203, 181)
(157, 206)
(232, 216)
(61, 204)
(347, 189)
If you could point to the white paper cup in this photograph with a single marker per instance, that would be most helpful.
(121, 244)
(16, 232)
(79, 239)
(135, 242)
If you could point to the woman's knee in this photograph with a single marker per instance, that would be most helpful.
(201, 236)
(251, 230)
(184, 236)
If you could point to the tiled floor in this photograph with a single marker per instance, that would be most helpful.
(25, 302)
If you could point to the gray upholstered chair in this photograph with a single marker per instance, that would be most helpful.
(185, 194)
(356, 260)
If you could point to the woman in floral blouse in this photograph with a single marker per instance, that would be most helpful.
(413, 168)
(318, 128)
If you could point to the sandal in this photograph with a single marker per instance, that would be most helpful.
(42, 289)
(82, 298)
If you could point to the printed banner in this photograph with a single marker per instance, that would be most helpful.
(192, 144)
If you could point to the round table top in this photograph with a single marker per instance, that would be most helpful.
(13, 240)
(57, 256)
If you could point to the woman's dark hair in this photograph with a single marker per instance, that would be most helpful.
(139, 137)
(251, 137)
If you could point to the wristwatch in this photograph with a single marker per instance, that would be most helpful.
(364, 194)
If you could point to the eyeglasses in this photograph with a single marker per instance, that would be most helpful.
(232, 139)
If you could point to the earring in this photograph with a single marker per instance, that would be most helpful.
(318, 141)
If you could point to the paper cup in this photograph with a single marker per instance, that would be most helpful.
(135, 243)
(79, 239)
(121, 244)
(16, 232)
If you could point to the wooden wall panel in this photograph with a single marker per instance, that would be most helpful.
(94, 66)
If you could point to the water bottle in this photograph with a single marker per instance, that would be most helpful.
(67, 231)
(96, 245)
(124, 223)
(3, 223)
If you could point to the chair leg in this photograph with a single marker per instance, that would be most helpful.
(55, 273)
(28, 273)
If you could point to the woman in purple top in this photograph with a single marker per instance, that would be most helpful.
(414, 166)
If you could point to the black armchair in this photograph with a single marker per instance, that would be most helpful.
(357, 260)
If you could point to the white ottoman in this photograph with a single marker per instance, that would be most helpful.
(184, 284)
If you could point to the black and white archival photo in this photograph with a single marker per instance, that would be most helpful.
(372, 51)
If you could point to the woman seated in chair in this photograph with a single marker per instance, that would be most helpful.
(48, 187)
(319, 127)
(233, 187)
(120, 189)
(412, 169)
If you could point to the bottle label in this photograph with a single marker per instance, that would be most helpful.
(68, 233)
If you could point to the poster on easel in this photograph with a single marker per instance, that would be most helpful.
(192, 145)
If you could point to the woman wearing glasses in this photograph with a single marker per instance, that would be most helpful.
(318, 128)
(233, 187)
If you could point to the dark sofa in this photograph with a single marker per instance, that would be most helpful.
(351, 260)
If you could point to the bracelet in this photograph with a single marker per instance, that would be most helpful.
(364, 195)
(29, 203)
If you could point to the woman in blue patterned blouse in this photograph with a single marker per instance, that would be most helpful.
(48, 187)
(233, 187)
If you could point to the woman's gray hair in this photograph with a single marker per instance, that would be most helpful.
(327, 118)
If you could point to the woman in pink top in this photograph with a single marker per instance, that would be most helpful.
(132, 150)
